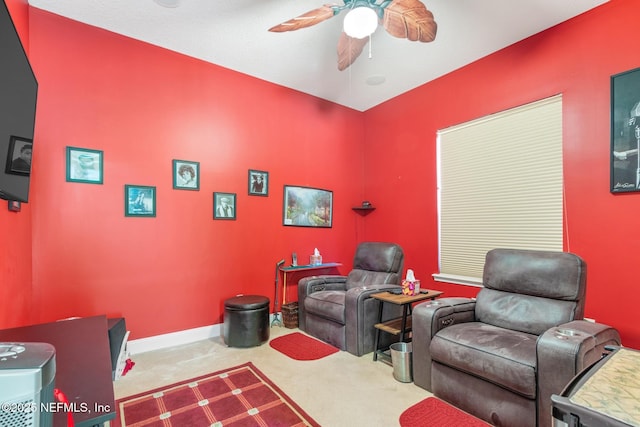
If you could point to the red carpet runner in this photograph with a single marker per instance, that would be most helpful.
(238, 396)
(299, 346)
(436, 413)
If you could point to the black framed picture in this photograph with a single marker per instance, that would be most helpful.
(84, 165)
(139, 200)
(258, 183)
(625, 131)
(224, 205)
(15, 206)
(19, 156)
(186, 175)
(307, 207)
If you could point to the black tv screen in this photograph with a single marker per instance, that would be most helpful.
(18, 92)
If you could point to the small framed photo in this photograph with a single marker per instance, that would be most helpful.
(625, 132)
(139, 200)
(186, 175)
(19, 156)
(14, 206)
(84, 165)
(258, 183)
(307, 207)
(224, 205)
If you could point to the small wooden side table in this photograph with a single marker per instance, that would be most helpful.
(401, 325)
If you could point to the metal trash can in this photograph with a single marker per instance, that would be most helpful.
(401, 359)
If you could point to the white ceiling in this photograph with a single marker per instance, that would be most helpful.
(233, 34)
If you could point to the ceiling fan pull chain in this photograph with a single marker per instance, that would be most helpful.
(370, 56)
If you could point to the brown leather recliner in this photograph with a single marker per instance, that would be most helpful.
(339, 309)
(502, 355)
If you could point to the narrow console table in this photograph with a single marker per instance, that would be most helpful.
(83, 365)
(305, 270)
(401, 325)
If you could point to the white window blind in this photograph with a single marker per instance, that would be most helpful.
(499, 186)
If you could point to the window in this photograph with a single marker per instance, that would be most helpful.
(499, 185)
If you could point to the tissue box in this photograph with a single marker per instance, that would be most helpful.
(410, 287)
(315, 259)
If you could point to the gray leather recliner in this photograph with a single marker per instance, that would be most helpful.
(339, 309)
(502, 355)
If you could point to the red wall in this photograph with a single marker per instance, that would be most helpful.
(576, 59)
(15, 251)
(145, 106)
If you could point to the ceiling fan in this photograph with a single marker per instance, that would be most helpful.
(407, 19)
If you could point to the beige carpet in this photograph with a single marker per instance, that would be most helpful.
(337, 390)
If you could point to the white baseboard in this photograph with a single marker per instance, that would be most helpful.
(158, 342)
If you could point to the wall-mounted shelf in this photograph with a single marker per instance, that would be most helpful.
(364, 210)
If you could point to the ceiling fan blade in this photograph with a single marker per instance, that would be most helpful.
(410, 19)
(349, 48)
(308, 19)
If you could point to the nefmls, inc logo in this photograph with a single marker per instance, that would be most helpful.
(75, 407)
(52, 407)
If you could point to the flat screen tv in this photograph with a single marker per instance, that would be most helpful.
(18, 92)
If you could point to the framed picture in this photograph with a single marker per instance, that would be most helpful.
(19, 156)
(84, 165)
(186, 175)
(258, 183)
(139, 200)
(224, 205)
(15, 206)
(625, 131)
(307, 207)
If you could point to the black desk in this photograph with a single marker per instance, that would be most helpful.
(83, 365)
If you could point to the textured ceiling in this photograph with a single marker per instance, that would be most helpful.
(233, 34)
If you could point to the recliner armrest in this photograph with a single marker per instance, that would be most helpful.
(355, 296)
(368, 290)
(446, 312)
(427, 319)
(311, 284)
(362, 311)
(565, 350)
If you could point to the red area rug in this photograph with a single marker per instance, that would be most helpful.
(437, 413)
(299, 346)
(240, 396)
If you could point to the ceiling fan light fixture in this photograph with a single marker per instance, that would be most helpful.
(360, 22)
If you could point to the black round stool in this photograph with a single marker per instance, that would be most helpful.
(246, 321)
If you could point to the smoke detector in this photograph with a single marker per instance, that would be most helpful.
(168, 3)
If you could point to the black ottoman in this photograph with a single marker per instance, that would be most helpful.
(246, 321)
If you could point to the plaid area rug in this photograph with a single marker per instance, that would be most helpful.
(238, 396)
